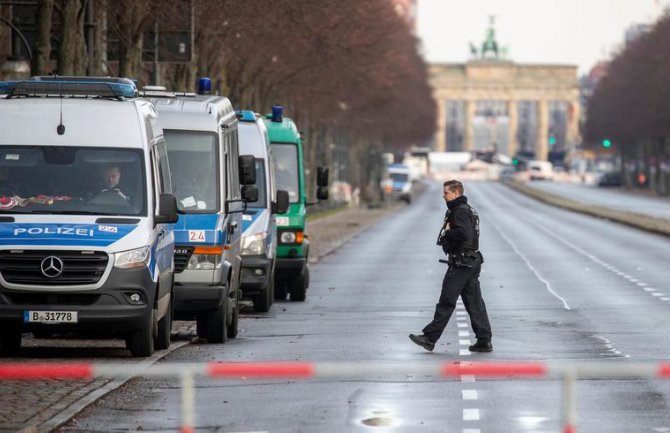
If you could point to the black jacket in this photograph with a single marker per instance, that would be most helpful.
(463, 231)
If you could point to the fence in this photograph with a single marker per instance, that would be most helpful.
(568, 372)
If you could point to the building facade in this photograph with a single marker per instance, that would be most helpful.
(491, 104)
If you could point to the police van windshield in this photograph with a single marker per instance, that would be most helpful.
(72, 180)
(286, 169)
(193, 164)
(399, 177)
(260, 183)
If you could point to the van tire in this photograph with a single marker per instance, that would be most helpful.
(233, 326)
(216, 326)
(263, 301)
(299, 286)
(280, 290)
(141, 342)
(10, 342)
(162, 340)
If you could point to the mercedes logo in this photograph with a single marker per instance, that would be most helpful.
(51, 267)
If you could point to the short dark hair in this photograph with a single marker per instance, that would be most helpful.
(454, 186)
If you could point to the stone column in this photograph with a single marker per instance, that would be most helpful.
(541, 146)
(441, 131)
(469, 139)
(573, 123)
(512, 127)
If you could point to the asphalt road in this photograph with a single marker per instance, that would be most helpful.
(558, 286)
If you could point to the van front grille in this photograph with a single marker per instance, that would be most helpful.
(52, 268)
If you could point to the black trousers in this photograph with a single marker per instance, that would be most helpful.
(463, 282)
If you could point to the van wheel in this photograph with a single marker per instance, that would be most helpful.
(10, 342)
(263, 302)
(299, 286)
(141, 342)
(162, 340)
(217, 331)
(232, 327)
(201, 325)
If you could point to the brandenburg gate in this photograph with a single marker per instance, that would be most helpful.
(492, 104)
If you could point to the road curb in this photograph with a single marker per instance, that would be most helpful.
(651, 224)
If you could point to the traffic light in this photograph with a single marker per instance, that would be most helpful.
(515, 161)
(607, 143)
(552, 141)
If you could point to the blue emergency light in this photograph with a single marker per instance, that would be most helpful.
(70, 86)
(246, 115)
(277, 113)
(204, 86)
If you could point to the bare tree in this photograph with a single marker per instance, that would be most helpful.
(42, 47)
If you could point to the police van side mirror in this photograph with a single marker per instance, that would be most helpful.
(249, 193)
(322, 177)
(281, 205)
(247, 165)
(167, 210)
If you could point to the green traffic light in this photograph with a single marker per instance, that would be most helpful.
(515, 161)
(607, 143)
(552, 141)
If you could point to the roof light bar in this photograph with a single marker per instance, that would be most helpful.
(70, 86)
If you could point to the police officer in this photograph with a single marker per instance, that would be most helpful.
(459, 239)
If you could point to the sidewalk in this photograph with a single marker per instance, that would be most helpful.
(32, 406)
(650, 221)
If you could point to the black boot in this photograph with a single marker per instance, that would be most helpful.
(422, 341)
(481, 346)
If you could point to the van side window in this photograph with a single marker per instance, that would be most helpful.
(164, 168)
(235, 168)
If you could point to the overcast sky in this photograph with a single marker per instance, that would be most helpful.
(578, 32)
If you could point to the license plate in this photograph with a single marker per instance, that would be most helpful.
(50, 316)
(282, 221)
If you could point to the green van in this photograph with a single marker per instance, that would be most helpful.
(291, 270)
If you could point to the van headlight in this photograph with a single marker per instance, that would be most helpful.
(254, 245)
(205, 258)
(202, 262)
(136, 258)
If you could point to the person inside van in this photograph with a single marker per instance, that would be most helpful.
(111, 176)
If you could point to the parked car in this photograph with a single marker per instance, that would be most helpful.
(610, 178)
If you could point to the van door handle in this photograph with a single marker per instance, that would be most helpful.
(161, 233)
(233, 225)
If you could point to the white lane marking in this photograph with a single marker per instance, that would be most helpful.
(467, 378)
(470, 414)
(461, 313)
(642, 284)
(657, 294)
(581, 251)
(531, 422)
(664, 299)
(461, 325)
(464, 342)
(469, 394)
(471, 430)
(464, 352)
(463, 333)
(649, 289)
(530, 266)
(461, 319)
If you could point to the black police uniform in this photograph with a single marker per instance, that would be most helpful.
(459, 238)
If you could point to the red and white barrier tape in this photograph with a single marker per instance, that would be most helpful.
(344, 370)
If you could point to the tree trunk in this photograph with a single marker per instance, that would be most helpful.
(133, 15)
(81, 53)
(69, 34)
(100, 60)
(42, 47)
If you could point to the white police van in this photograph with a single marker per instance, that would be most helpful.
(86, 213)
(259, 230)
(201, 133)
